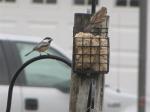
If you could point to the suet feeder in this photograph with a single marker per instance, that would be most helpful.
(91, 50)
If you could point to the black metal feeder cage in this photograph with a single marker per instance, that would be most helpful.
(91, 50)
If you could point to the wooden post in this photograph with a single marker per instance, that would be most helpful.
(79, 94)
(79, 86)
(86, 93)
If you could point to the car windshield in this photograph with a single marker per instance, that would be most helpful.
(44, 73)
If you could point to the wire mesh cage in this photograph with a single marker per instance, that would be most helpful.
(91, 51)
(91, 54)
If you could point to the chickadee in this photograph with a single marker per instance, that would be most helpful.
(42, 46)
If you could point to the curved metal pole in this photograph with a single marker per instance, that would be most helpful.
(12, 83)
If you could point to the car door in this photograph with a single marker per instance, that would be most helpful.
(8, 65)
(47, 82)
(3, 79)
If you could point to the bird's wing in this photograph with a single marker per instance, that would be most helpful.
(99, 16)
(41, 44)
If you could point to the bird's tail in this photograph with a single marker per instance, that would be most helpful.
(29, 53)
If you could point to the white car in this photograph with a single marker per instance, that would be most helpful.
(44, 85)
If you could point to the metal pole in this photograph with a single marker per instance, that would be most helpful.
(93, 6)
(13, 80)
(142, 56)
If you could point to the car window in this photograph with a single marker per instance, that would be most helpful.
(44, 73)
(3, 70)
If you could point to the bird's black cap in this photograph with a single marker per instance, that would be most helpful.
(48, 38)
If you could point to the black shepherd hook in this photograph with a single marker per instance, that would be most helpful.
(12, 83)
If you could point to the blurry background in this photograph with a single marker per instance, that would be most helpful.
(55, 18)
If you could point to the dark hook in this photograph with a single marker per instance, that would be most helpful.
(12, 83)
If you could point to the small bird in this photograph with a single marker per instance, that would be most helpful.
(96, 19)
(42, 46)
